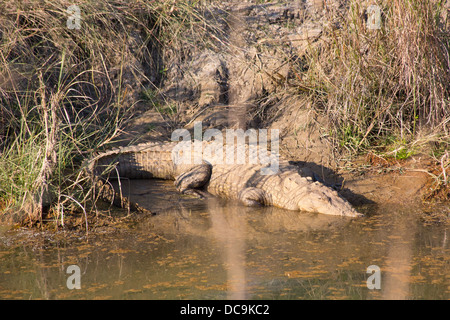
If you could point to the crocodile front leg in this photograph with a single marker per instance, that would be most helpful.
(254, 197)
(192, 181)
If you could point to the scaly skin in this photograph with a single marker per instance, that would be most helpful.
(290, 187)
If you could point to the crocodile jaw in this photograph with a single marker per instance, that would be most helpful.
(333, 204)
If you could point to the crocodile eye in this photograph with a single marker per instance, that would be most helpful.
(325, 198)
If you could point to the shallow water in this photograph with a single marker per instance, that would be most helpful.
(214, 249)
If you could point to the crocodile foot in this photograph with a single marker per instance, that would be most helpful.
(191, 181)
(254, 197)
(200, 194)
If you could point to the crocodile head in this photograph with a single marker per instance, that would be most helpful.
(316, 197)
(327, 202)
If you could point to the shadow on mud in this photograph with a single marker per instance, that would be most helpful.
(331, 179)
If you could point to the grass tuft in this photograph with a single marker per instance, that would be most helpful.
(394, 80)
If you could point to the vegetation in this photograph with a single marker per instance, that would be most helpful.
(64, 91)
(388, 82)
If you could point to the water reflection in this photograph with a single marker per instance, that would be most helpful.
(397, 275)
(229, 228)
(192, 249)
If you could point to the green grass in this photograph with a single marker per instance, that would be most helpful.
(398, 148)
(150, 96)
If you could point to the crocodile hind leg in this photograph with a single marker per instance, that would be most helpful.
(192, 181)
(254, 197)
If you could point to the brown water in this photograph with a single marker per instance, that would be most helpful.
(217, 250)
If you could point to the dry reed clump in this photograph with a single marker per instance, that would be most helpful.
(388, 83)
(66, 91)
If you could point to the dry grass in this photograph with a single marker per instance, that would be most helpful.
(66, 92)
(382, 83)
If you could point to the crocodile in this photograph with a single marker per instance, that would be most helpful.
(289, 187)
